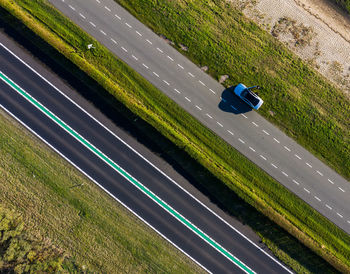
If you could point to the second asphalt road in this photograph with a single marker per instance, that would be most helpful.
(207, 100)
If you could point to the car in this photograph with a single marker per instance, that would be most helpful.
(248, 96)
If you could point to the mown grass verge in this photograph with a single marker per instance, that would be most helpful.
(237, 173)
(296, 98)
(92, 233)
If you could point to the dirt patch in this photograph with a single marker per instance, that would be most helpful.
(316, 30)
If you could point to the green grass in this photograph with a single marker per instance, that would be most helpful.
(345, 4)
(235, 173)
(60, 205)
(305, 105)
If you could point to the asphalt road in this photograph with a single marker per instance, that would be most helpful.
(209, 102)
(117, 185)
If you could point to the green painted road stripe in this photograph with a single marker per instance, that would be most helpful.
(126, 175)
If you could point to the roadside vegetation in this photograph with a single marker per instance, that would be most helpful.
(345, 4)
(233, 172)
(20, 253)
(53, 219)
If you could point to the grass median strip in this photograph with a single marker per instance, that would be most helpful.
(236, 173)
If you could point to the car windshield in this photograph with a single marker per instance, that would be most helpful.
(250, 97)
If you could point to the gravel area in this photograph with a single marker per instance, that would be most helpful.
(315, 30)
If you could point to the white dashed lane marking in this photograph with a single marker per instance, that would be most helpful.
(170, 58)
(201, 83)
(328, 207)
(159, 50)
(274, 165)
(209, 116)
(180, 66)
(255, 124)
(73, 8)
(276, 140)
(166, 82)
(219, 124)
(341, 216)
(319, 172)
(308, 191)
(295, 182)
(285, 174)
(92, 24)
(145, 66)
(128, 25)
(116, 15)
(252, 149)
(149, 42)
(81, 15)
(309, 165)
(296, 155)
(155, 74)
(103, 32)
(287, 148)
(187, 99)
(212, 91)
(230, 132)
(107, 8)
(239, 139)
(124, 49)
(190, 74)
(329, 180)
(138, 33)
(318, 199)
(133, 56)
(266, 132)
(115, 42)
(263, 157)
(177, 91)
(244, 116)
(198, 107)
(341, 189)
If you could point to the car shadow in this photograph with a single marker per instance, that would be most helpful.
(230, 102)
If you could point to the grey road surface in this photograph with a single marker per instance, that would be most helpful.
(209, 102)
(203, 253)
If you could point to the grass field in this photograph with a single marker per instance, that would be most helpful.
(59, 204)
(235, 173)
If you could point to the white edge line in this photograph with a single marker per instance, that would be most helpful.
(94, 181)
(151, 164)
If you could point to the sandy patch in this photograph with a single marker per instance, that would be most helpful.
(315, 30)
